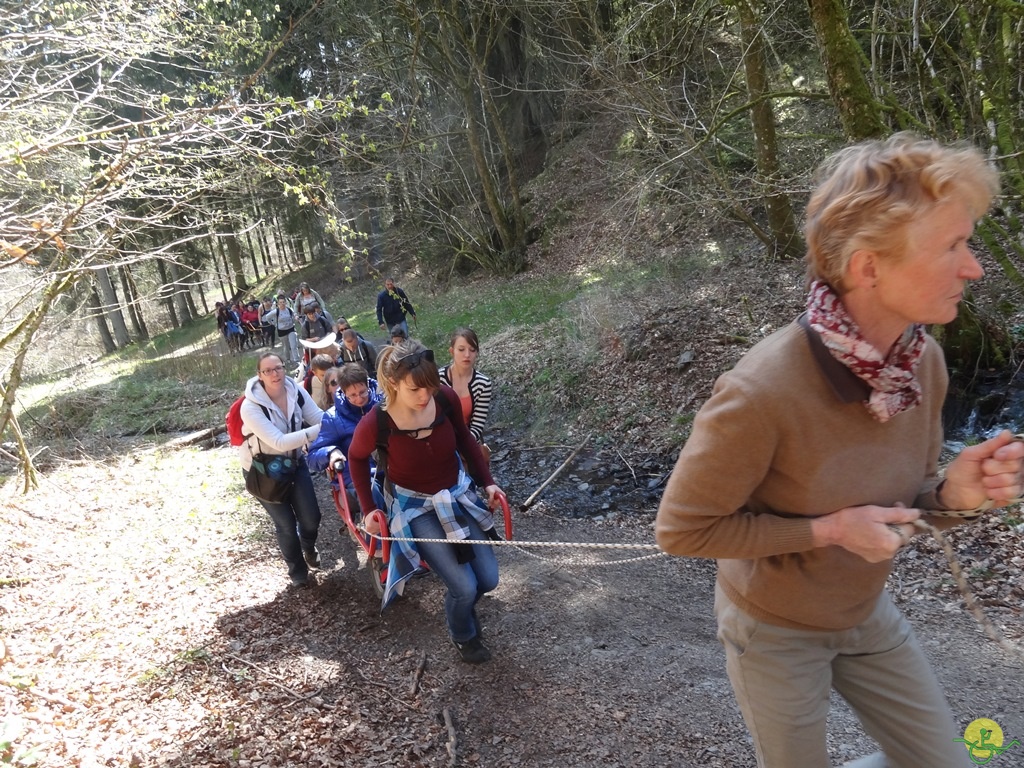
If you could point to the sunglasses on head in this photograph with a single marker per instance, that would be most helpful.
(413, 359)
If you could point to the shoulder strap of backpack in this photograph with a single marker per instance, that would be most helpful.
(383, 435)
(266, 412)
(383, 429)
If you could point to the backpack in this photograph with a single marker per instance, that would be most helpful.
(384, 434)
(233, 419)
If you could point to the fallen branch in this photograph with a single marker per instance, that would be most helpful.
(415, 685)
(556, 473)
(265, 673)
(196, 437)
(629, 467)
(453, 741)
(386, 690)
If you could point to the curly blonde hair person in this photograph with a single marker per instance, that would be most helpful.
(868, 193)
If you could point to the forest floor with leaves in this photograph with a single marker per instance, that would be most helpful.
(148, 621)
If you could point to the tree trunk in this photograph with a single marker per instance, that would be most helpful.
(112, 307)
(131, 295)
(202, 296)
(261, 235)
(218, 257)
(275, 231)
(762, 119)
(189, 301)
(180, 291)
(252, 256)
(102, 329)
(234, 259)
(167, 293)
(859, 112)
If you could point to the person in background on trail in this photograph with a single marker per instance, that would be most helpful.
(311, 349)
(282, 318)
(427, 494)
(342, 325)
(393, 306)
(306, 296)
(268, 328)
(315, 380)
(233, 331)
(473, 388)
(356, 395)
(273, 415)
(251, 323)
(398, 335)
(357, 350)
(315, 325)
(332, 385)
(809, 464)
(223, 315)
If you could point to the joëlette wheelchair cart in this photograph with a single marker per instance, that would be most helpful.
(378, 550)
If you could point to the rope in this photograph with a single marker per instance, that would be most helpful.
(964, 587)
(521, 546)
(503, 543)
(590, 561)
(962, 584)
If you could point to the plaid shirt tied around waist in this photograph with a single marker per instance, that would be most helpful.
(449, 504)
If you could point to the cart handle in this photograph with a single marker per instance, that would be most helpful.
(385, 542)
(503, 502)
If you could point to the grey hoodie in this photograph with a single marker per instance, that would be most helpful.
(282, 433)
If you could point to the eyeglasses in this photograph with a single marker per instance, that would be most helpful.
(361, 395)
(413, 359)
(275, 369)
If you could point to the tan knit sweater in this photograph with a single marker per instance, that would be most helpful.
(785, 437)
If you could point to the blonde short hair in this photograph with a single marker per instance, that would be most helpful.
(867, 193)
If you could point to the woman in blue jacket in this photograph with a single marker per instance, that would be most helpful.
(355, 397)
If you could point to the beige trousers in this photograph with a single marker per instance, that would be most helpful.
(783, 677)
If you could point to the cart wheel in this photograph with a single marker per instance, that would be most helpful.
(379, 575)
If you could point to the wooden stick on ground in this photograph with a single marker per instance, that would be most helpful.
(556, 473)
(414, 686)
(453, 741)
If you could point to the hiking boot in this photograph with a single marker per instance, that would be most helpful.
(312, 557)
(473, 651)
(479, 626)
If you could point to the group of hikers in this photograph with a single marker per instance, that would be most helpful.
(303, 316)
(351, 400)
(805, 472)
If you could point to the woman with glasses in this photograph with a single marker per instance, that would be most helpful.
(355, 396)
(274, 418)
(427, 493)
(472, 387)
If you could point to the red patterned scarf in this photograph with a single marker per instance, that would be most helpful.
(892, 377)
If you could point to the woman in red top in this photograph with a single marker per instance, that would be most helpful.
(427, 493)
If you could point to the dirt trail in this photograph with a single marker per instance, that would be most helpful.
(148, 623)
